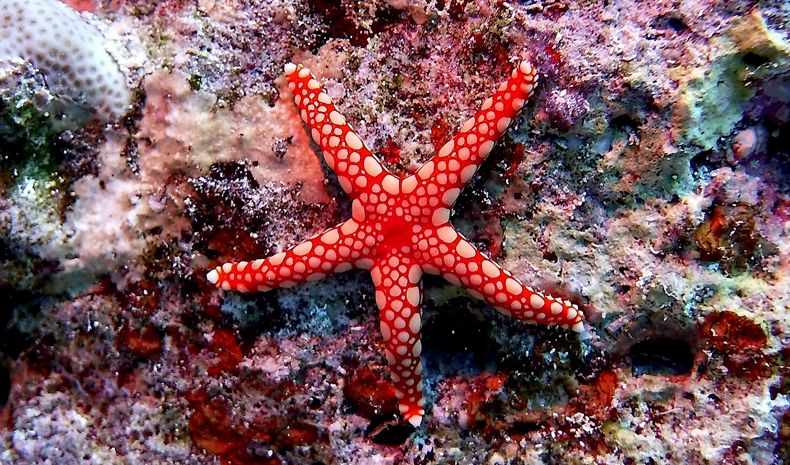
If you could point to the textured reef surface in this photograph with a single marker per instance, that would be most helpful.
(647, 180)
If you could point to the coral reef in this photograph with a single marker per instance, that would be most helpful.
(646, 180)
(68, 51)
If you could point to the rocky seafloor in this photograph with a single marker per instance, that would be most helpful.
(647, 180)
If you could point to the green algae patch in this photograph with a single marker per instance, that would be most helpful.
(32, 182)
(713, 101)
(27, 138)
(31, 121)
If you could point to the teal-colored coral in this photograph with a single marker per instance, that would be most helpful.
(714, 101)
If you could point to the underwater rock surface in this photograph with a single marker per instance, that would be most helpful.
(646, 180)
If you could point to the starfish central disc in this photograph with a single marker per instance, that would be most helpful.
(399, 228)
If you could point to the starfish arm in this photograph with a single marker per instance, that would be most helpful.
(456, 162)
(334, 251)
(398, 284)
(356, 167)
(466, 266)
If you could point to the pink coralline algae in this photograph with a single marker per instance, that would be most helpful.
(400, 228)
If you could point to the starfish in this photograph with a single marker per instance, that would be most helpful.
(399, 228)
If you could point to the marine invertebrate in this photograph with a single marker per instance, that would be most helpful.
(69, 52)
(400, 228)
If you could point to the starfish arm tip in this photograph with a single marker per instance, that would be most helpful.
(213, 276)
(415, 420)
(290, 68)
(578, 327)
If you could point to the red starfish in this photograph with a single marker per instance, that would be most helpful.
(399, 229)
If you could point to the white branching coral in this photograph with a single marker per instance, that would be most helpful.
(70, 53)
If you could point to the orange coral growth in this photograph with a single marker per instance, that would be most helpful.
(211, 428)
(728, 236)
(741, 342)
(484, 391)
(144, 343)
(228, 353)
(142, 298)
(370, 394)
(599, 399)
(441, 133)
(214, 430)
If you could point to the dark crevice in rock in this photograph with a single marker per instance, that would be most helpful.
(663, 356)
